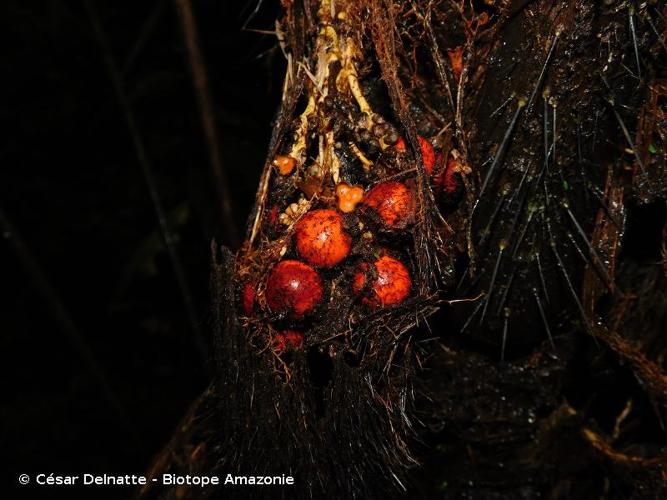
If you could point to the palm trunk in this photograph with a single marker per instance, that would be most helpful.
(500, 147)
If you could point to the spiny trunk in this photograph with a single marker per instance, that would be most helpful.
(499, 147)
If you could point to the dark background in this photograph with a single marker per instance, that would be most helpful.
(73, 189)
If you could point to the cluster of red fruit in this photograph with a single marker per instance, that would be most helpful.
(294, 288)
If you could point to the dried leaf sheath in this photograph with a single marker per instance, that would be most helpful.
(352, 376)
(338, 410)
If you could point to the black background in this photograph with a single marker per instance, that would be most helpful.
(74, 191)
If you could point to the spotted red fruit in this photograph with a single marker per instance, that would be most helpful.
(248, 298)
(428, 154)
(287, 340)
(391, 282)
(321, 239)
(293, 288)
(393, 202)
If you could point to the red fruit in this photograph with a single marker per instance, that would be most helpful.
(393, 203)
(287, 340)
(321, 239)
(400, 145)
(449, 185)
(428, 154)
(284, 164)
(293, 288)
(248, 298)
(391, 285)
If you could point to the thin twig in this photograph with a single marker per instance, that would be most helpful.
(145, 34)
(200, 83)
(149, 177)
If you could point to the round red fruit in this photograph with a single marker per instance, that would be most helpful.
(393, 203)
(321, 239)
(293, 288)
(391, 282)
(428, 154)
